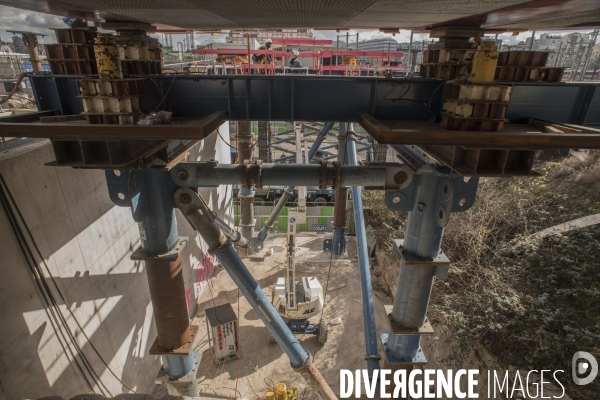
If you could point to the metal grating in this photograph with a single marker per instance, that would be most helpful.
(562, 21)
(318, 14)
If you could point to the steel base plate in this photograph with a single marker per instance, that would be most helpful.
(419, 359)
(184, 350)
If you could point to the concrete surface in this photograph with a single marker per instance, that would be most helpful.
(570, 225)
(86, 242)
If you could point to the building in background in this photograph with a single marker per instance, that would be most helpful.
(379, 44)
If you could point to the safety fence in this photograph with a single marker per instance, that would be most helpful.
(318, 219)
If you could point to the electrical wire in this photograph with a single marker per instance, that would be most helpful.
(57, 288)
(403, 94)
(237, 374)
(56, 318)
(224, 141)
(167, 93)
(160, 92)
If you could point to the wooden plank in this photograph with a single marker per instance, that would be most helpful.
(181, 129)
(22, 118)
(515, 136)
(560, 127)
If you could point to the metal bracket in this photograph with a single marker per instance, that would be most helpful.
(441, 262)
(402, 199)
(118, 190)
(425, 329)
(184, 350)
(419, 359)
(258, 183)
(444, 197)
(328, 245)
(170, 255)
(324, 177)
(465, 189)
(137, 195)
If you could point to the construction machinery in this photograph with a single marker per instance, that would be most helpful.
(297, 301)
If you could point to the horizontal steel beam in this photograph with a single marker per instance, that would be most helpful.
(514, 137)
(197, 129)
(211, 174)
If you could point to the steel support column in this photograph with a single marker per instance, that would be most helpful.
(420, 260)
(244, 137)
(372, 355)
(340, 205)
(152, 208)
(30, 40)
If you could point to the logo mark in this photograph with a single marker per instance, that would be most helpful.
(590, 364)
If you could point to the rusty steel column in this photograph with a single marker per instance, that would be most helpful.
(340, 205)
(340, 222)
(244, 138)
(160, 249)
(30, 40)
(167, 292)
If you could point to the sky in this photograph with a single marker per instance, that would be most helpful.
(13, 18)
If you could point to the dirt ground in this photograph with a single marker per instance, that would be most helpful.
(262, 363)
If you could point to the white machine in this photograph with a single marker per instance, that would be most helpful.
(297, 301)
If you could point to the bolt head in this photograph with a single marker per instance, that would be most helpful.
(400, 177)
(182, 174)
(185, 198)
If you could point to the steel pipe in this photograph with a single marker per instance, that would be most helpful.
(199, 174)
(321, 136)
(245, 148)
(230, 233)
(363, 263)
(287, 193)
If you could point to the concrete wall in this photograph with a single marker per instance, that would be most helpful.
(86, 242)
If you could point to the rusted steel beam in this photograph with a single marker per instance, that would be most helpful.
(516, 136)
(181, 129)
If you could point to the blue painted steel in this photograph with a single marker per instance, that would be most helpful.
(339, 241)
(315, 146)
(363, 262)
(423, 239)
(158, 233)
(57, 93)
(558, 102)
(158, 230)
(265, 310)
(320, 98)
(178, 366)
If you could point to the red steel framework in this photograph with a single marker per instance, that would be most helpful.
(316, 54)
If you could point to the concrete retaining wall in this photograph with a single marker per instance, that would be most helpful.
(86, 242)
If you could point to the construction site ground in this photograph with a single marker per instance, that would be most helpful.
(262, 363)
